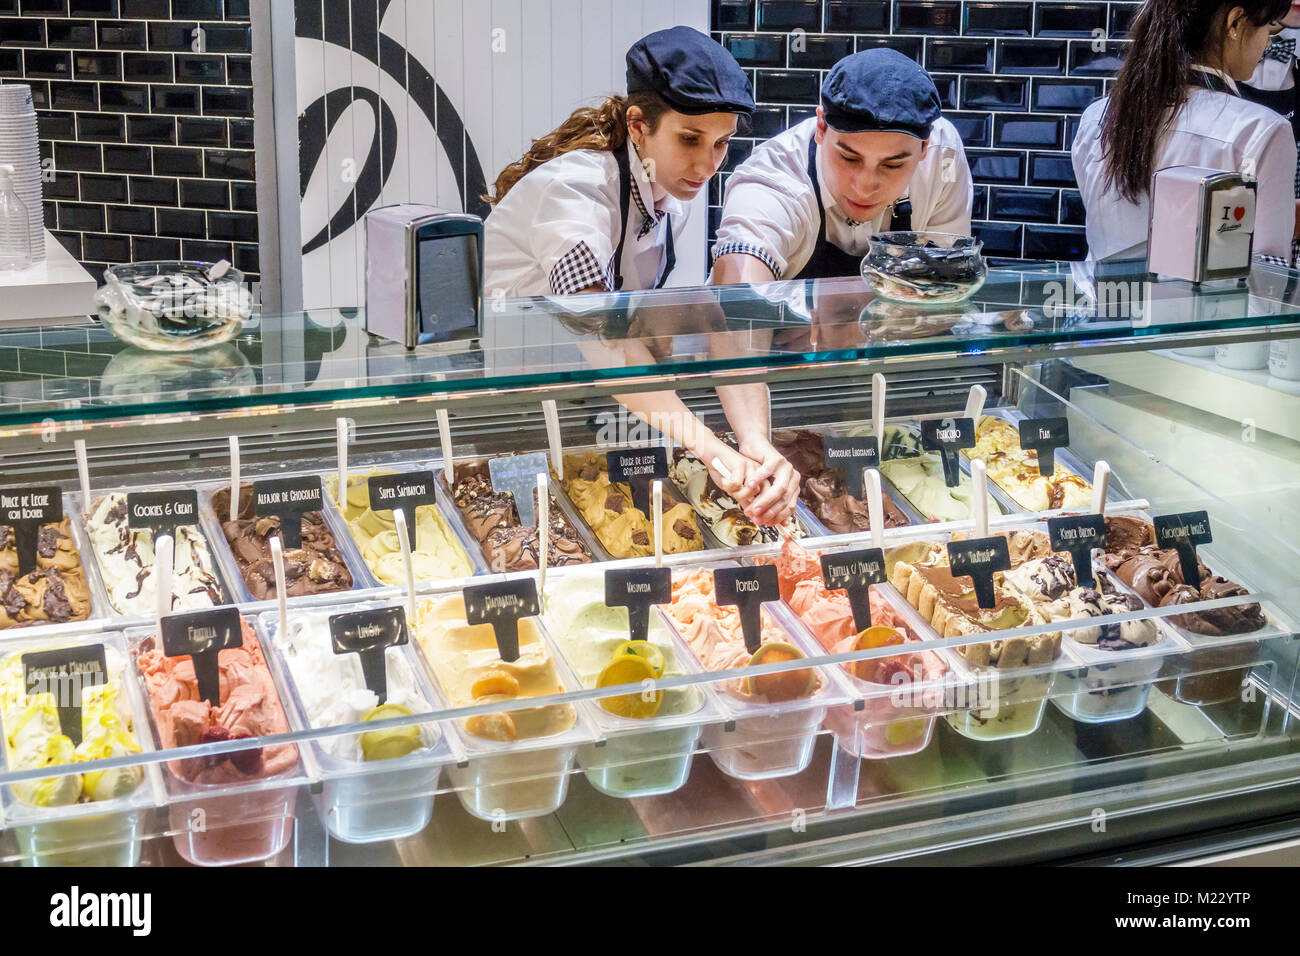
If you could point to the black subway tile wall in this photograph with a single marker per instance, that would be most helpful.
(1014, 75)
(146, 109)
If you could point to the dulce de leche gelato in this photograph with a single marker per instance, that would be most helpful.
(55, 592)
(622, 528)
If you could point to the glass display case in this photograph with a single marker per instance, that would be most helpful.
(1059, 702)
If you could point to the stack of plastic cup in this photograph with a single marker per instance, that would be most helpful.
(20, 148)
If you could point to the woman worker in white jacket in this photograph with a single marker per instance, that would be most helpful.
(598, 205)
(1175, 102)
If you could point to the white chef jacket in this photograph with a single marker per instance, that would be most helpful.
(1274, 74)
(556, 231)
(1215, 130)
(770, 211)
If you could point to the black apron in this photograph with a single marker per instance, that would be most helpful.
(1279, 101)
(829, 261)
(625, 186)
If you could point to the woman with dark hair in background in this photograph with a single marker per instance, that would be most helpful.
(1176, 102)
(1276, 84)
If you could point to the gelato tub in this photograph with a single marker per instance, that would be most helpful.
(720, 512)
(437, 554)
(57, 591)
(126, 564)
(224, 808)
(761, 736)
(638, 757)
(491, 519)
(896, 697)
(376, 785)
(1015, 469)
(824, 492)
(318, 567)
(92, 817)
(1012, 675)
(623, 530)
(1220, 660)
(518, 761)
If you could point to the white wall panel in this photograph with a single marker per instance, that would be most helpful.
(558, 55)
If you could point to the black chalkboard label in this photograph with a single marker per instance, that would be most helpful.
(855, 572)
(25, 510)
(978, 559)
(748, 589)
(638, 467)
(65, 672)
(202, 635)
(637, 589)
(288, 499)
(517, 474)
(502, 604)
(162, 512)
(1045, 435)
(408, 491)
(1184, 532)
(1077, 536)
(369, 634)
(852, 456)
(948, 436)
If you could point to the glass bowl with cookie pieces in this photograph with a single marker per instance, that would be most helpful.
(924, 268)
(174, 305)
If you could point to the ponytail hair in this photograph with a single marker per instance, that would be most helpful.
(602, 127)
(1168, 37)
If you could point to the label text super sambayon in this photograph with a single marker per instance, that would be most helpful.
(129, 910)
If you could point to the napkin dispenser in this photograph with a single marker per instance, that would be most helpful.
(1202, 224)
(424, 274)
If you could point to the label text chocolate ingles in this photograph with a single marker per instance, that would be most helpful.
(1184, 532)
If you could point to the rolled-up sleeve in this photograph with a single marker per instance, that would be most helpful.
(573, 222)
(765, 219)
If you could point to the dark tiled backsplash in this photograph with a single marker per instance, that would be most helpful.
(151, 140)
(1013, 76)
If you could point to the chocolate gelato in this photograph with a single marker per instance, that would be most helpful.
(823, 489)
(493, 521)
(317, 567)
(55, 592)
